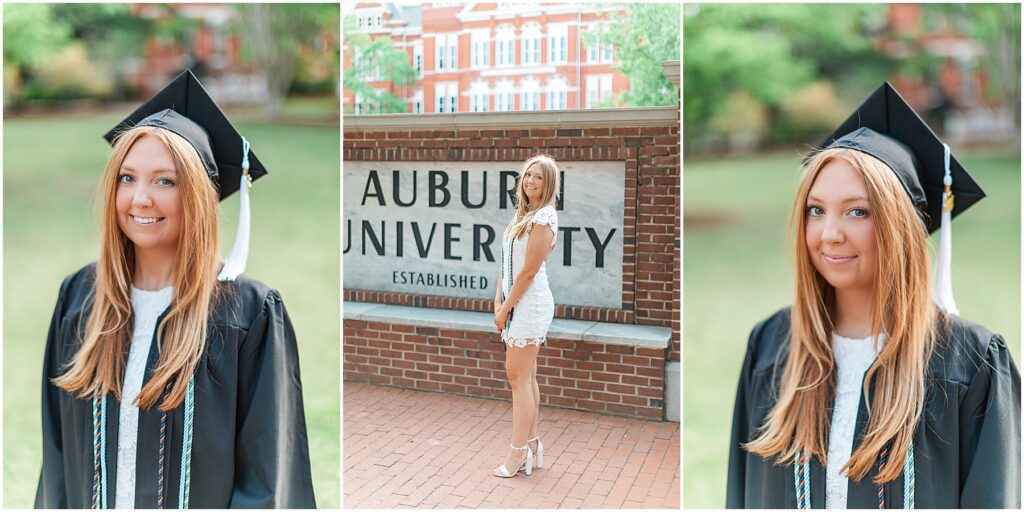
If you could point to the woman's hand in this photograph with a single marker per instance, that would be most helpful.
(500, 316)
(497, 306)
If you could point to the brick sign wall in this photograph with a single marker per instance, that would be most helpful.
(627, 380)
(651, 258)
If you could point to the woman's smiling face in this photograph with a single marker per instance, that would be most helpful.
(533, 185)
(840, 232)
(148, 199)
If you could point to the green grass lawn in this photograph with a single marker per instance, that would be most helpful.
(51, 168)
(737, 272)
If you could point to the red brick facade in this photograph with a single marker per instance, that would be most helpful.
(477, 82)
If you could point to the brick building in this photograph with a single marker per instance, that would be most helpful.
(953, 89)
(492, 57)
(210, 47)
(956, 75)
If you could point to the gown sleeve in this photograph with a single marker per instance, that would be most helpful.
(51, 492)
(736, 486)
(990, 433)
(272, 448)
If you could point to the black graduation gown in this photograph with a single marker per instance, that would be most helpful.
(250, 448)
(966, 449)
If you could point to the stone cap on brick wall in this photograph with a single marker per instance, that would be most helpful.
(644, 336)
(602, 117)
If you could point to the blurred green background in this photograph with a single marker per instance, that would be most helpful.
(52, 161)
(762, 85)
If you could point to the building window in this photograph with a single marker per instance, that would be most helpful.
(557, 100)
(558, 92)
(417, 102)
(479, 96)
(446, 51)
(598, 51)
(558, 44)
(417, 58)
(479, 102)
(531, 44)
(380, 21)
(503, 102)
(481, 48)
(504, 96)
(359, 22)
(599, 89)
(447, 94)
(530, 99)
(506, 49)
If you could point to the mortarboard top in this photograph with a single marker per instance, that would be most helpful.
(185, 108)
(885, 127)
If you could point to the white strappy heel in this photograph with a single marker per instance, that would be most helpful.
(540, 451)
(527, 465)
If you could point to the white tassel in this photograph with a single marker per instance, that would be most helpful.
(234, 265)
(944, 257)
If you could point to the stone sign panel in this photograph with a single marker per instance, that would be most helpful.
(435, 228)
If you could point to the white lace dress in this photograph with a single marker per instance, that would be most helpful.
(146, 308)
(853, 358)
(531, 317)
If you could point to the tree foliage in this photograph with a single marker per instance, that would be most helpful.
(376, 60)
(771, 50)
(32, 33)
(643, 36)
(274, 34)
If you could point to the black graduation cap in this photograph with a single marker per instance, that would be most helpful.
(885, 127)
(185, 108)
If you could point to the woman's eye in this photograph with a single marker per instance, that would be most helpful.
(167, 182)
(815, 211)
(858, 212)
(125, 178)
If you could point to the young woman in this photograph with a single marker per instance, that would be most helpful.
(164, 386)
(523, 306)
(866, 393)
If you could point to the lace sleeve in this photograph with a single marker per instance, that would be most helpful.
(548, 217)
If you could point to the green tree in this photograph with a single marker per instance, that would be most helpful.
(111, 33)
(643, 36)
(273, 36)
(376, 60)
(772, 50)
(32, 33)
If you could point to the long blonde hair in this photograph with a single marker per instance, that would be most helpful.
(901, 308)
(98, 366)
(524, 210)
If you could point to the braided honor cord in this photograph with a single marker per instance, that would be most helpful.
(802, 479)
(161, 460)
(186, 445)
(99, 429)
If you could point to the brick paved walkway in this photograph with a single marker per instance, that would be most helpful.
(415, 449)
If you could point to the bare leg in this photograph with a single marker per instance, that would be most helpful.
(536, 401)
(518, 364)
